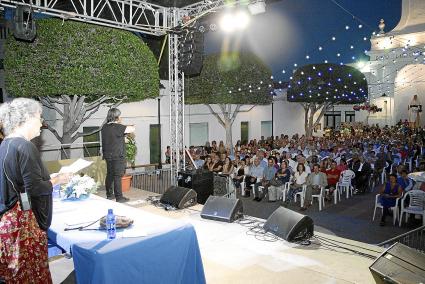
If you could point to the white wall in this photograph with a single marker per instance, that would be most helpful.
(288, 119)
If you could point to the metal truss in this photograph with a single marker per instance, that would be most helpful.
(202, 8)
(132, 15)
(176, 87)
(141, 16)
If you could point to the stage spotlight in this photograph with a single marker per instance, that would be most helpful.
(242, 19)
(228, 23)
(231, 22)
(257, 7)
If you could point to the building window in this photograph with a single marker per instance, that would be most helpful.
(244, 132)
(91, 142)
(198, 133)
(350, 116)
(266, 129)
(332, 119)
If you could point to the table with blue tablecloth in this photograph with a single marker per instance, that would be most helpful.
(155, 249)
(171, 257)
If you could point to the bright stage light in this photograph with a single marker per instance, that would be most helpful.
(231, 22)
(242, 20)
(228, 23)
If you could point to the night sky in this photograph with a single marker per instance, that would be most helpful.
(292, 29)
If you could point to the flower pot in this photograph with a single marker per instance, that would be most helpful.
(125, 183)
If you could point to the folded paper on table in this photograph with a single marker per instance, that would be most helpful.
(75, 167)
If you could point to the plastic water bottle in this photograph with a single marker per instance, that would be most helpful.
(56, 193)
(111, 225)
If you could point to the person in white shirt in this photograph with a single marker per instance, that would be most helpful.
(300, 178)
(315, 181)
(255, 173)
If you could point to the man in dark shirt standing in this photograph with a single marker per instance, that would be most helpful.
(113, 149)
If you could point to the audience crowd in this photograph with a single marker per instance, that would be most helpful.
(364, 153)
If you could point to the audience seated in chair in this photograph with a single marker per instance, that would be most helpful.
(333, 177)
(315, 181)
(268, 175)
(300, 178)
(255, 173)
(389, 193)
(362, 169)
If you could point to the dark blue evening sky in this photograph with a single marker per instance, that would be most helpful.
(292, 29)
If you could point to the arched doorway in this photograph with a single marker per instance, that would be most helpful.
(409, 81)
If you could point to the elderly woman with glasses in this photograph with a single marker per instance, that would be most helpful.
(25, 196)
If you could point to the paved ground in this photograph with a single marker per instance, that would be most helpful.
(351, 218)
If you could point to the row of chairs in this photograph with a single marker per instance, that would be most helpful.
(282, 191)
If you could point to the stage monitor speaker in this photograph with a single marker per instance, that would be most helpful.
(179, 197)
(399, 264)
(222, 209)
(289, 225)
(24, 24)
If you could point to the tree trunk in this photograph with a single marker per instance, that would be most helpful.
(227, 119)
(229, 142)
(306, 110)
(309, 132)
(66, 149)
(310, 109)
(74, 112)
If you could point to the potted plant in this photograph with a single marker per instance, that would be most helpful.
(130, 155)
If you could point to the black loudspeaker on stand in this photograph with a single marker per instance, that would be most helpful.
(289, 225)
(202, 182)
(222, 209)
(179, 197)
(399, 264)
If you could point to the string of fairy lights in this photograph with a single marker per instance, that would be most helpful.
(379, 66)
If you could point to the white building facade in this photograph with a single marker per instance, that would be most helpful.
(395, 71)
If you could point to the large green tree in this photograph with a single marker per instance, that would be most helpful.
(317, 87)
(230, 81)
(74, 68)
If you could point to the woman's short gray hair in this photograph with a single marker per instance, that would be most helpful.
(16, 112)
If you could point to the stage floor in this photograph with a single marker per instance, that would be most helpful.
(231, 254)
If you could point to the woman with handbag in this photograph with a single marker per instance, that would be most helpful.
(25, 196)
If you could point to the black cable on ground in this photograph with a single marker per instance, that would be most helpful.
(332, 246)
(337, 241)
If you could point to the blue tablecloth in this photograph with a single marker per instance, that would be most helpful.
(169, 257)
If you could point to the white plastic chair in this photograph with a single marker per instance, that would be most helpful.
(301, 194)
(384, 173)
(260, 188)
(320, 197)
(344, 184)
(336, 194)
(394, 209)
(408, 162)
(416, 205)
(283, 190)
(243, 184)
